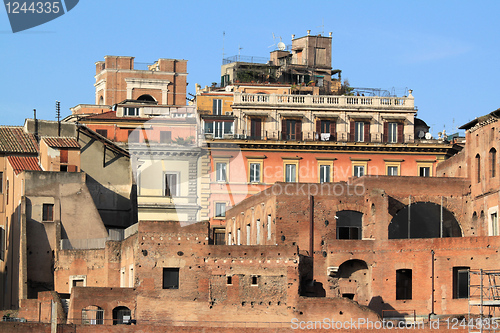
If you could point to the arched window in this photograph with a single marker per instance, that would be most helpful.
(121, 315)
(493, 161)
(478, 168)
(93, 315)
(426, 220)
(147, 98)
(101, 100)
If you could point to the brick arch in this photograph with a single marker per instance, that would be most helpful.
(423, 221)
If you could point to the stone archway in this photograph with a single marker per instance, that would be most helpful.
(352, 281)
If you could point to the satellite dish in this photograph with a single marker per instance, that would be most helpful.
(421, 134)
(428, 136)
(281, 46)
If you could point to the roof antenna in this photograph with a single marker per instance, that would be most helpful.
(36, 125)
(58, 116)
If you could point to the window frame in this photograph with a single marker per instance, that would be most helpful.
(392, 132)
(131, 111)
(175, 272)
(250, 177)
(177, 185)
(48, 212)
(457, 293)
(408, 292)
(218, 176)
(357, 164)
(359, 131)
(393, 164)
(294, 172)
(425, 164)
(222, 214)
(330, 172)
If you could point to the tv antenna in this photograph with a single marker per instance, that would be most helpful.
(274, 40)
(322, 26)
(223, 40)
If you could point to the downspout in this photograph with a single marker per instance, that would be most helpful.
(432, 285)
(441, 219)
(311, 235)
(409, 216)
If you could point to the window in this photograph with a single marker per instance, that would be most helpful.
(493, 159)
(218, 128)
(220, 172)
(359, 171)
(292, 129)
(229, 280)
(220, 209)
(460, 282)
(48, 212)
(130, 111)
(269, 227)
(171, 185)
(165, 136)
(209, 127)
(392, 171)
(238, 237)
(102, 132)
(248, 234)
(403, 284)
(349, 224)
(256, 128)
(255, 173)
(170, 278)
(424, 171)
(324, 174)
(494, 224)
(325, 126)
(255, 280)
(359, 131)
(478, 168)
(290, 173)
(392, 132)
(217, 107)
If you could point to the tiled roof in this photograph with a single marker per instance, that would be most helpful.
(24, 163)
(61, 142)
(13, 139)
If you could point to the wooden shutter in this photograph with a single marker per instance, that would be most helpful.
(351, 133)
(367, 131)
(386, 132)
(63, 154)
(283, 129)
(318, 128)
(400, 132)
(298, 130)
(333, 130)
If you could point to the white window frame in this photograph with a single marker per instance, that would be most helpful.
(177, 185)
(359, 131)
(253, 176)
(325, 173)
(392, 132)
(218, 208)
(291, 172)
(221, 171)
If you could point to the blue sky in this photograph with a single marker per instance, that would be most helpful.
(448, 52)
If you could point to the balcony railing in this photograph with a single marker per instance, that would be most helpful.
(243, 99)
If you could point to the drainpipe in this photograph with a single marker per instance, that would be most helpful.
(311, 234)
(441, 219)
(409, 215)
(432, 283)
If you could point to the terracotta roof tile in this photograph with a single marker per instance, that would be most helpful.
(61, 142)
(24, 163)
(13, 139)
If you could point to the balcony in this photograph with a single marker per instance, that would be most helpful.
(324, 102)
